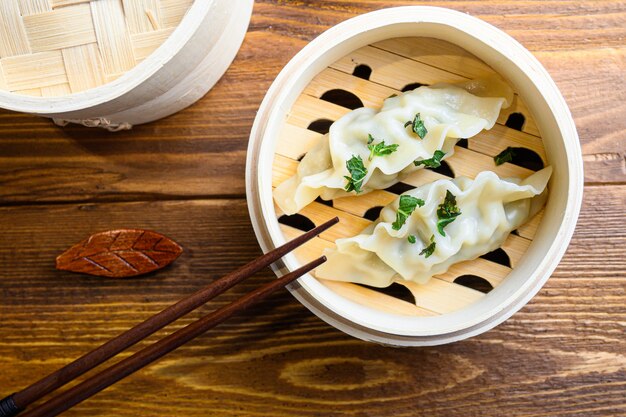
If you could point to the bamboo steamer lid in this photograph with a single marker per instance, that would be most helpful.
(76, 60)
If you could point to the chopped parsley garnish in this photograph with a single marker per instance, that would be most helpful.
(417, 126)
(428, 250)
(447, 212)
(504, 156)
(434, 162)
(357, 174)
(412, 239)
(407, 206)
(379, 149)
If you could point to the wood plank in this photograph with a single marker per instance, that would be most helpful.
(567, 340)
(220, 124)
(280, 360)
(596, 108)
(605, 167)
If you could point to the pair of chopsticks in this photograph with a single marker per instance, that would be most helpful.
(17, 402)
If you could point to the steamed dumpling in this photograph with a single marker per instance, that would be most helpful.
(428, 229)
(418, 125)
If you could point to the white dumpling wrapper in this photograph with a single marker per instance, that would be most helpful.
(449, 113)
(490, 209)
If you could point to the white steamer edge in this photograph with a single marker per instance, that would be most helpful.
(549, 110)
(178, 73)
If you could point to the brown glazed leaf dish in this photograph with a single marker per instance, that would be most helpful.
(120, 254)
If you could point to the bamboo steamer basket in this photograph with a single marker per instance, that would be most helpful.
(363, 61)
(115, 63)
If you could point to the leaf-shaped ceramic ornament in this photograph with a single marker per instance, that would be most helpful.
(120, 254)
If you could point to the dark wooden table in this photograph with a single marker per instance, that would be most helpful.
(564, 354)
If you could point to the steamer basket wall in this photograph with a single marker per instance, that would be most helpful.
(398, 47)
(191, 58)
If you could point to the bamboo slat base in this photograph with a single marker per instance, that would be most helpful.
(370, 75)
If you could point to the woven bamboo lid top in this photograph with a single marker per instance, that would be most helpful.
(58, 47)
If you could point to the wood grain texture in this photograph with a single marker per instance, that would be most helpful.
(564, 354)
(583, 56)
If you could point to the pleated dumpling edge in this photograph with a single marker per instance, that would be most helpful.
(452, 220)
(366, 150)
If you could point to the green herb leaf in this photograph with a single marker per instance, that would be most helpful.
(379, 149)
(434, 162)
(418, 126)
(357, 174)
(428, 250)
(407, 206)
(447, 212)
(441, 223)
(504, 156)
(411, 239)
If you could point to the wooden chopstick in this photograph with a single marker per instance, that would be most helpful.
(13, 404)
(145, 356)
